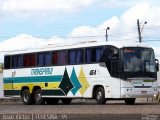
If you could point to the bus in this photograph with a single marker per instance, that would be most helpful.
(87, 70)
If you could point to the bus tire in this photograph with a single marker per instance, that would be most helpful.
(100, 95)
(38, 97)
(66, 101)
(158, 97)
(52, 101)
(130, 101)
(27, 98)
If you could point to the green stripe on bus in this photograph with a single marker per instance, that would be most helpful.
(33, 79)
(53, 92)
(57, 92)
(12, 92)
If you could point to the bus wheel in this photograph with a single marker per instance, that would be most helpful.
(27, 98)
(66, 101)
(100, 96)
(38, 97)
(130, 101)
(52, 101)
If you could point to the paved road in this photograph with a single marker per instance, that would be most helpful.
(81, 108)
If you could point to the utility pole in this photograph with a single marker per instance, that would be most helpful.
(139, 32)
(108, 28)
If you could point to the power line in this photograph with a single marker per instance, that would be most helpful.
(152, 37)
(151, 41)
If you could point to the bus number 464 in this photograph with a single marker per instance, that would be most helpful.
(92, 72)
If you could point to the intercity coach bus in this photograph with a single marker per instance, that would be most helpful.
(88, 70)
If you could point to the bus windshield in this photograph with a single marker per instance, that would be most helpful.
(138, 59)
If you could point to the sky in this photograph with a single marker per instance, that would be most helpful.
(27, 24)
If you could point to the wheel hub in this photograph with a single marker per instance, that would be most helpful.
(99, 95)
(38, 97)
(26, 97)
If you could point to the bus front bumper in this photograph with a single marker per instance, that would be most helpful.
(138, 92)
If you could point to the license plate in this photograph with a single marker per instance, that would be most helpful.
(143, 92)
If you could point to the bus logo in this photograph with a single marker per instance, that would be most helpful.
(42, 71)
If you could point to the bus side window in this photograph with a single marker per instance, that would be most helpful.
(17, 61)
(20, 61)
(88, 55)
(47, 58)
(7, 62)
(26, 60)
(115, 53)
(29, 60)
(104, 55)
(40, 59)
(79, 57)
(75, 57)
(32, 60)
(14, 61)
(61, 57)
(93, 54)
(97, 54)
(55, 58)
(110, 53)
(72, 57)
(44, 59)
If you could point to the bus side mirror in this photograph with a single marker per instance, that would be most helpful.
(157, 64)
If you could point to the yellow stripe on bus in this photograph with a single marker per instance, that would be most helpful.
(18, 86)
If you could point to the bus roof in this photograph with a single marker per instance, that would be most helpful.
(118, 44)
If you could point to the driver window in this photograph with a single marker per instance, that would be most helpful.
(112, 53)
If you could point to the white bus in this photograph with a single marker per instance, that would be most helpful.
(91, 70)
